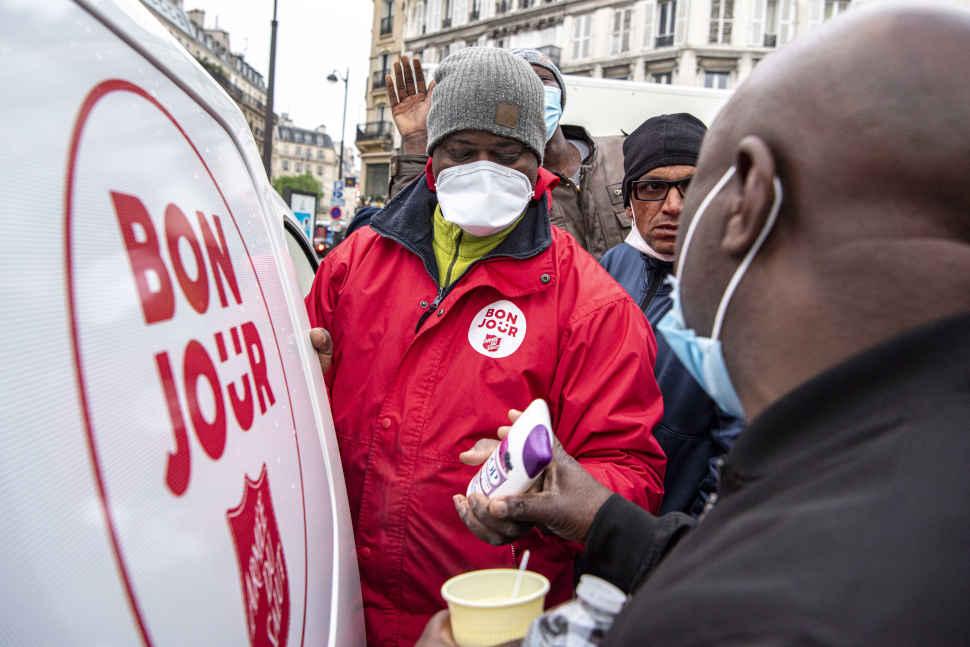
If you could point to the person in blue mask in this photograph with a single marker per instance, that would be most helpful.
(659, 160)
(823, 294)
(586, 202)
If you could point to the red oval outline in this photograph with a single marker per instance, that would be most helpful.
(97, 93)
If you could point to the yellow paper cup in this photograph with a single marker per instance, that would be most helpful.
(483, 612)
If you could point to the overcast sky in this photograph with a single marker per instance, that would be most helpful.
(313, 38)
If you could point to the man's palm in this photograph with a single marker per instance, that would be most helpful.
(409, 96)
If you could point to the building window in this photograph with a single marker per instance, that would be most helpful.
(621, 31)
(722, 20)
(663, 78)
(621, 72)
(667, 17)
(834, 7)
(319, 170)
(526, 4)
(502, 6)
(718, 80)
(286, 165)
(376, 178)
(476, 10)
(771, 23)
(446, 13)
(387, 17)
(582, 36)
(299, 167)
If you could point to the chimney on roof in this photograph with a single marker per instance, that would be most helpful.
(197, 16)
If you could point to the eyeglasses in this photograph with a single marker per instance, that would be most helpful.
(657, 190)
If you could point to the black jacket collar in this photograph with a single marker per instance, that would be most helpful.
(876, 390)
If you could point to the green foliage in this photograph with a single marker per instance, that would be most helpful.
(305, 183)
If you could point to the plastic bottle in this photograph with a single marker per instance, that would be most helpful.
(582, 622)
(521, 456)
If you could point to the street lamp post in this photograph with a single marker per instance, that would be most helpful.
(333, 78)
(268, 119)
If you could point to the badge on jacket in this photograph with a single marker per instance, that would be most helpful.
(497, 330)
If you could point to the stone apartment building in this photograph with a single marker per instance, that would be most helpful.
(707, 43)
(211, 47)
(300, 150)
(376, 138)
(710, 43)
(295, 150)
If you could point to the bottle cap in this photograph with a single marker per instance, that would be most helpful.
(601, 594)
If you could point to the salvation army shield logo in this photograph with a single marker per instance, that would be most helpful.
(262, 566)
(497, 330)
(492, 343)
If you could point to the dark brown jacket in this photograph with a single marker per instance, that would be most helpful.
(592, 212)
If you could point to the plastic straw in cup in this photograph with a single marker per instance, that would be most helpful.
(518, 576)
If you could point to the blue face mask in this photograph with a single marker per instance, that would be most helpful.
(703, 356)
(553, 112)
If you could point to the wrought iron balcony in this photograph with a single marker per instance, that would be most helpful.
(771, 40)
(387, 25)
(375, 131)
(664, 41)
(378, 79)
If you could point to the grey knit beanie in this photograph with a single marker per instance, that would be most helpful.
(535, 57)
(486, 88)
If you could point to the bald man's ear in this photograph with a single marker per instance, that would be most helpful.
(752, 199)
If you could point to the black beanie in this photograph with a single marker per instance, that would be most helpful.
(665, 140)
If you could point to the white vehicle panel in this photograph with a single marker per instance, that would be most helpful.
(168, 469)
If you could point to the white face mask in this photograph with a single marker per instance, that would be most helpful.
(482, 198)
(637, 242)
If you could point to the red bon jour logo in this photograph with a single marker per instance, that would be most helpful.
(181, 378)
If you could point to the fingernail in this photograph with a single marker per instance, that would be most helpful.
(500, 509)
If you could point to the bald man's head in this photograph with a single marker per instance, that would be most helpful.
(866, 122)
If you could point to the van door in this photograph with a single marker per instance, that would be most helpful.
(168, 468)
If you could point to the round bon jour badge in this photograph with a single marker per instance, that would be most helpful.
(497, 330)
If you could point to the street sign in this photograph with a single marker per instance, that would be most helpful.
(336, 213)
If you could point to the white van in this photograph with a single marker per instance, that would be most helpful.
(169, 473)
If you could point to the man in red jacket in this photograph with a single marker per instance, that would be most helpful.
(458, 303)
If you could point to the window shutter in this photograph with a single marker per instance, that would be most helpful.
(648, 35)
(758, 23)
(680, 29)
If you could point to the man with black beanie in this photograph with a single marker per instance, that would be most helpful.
(659, 159)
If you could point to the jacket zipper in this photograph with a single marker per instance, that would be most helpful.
(442, 290)
(651, 292)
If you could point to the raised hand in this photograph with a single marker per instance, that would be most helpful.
(410, 100)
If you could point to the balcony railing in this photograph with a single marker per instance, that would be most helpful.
(474, 15)
(446, 23)
(387, 25)
(374, 131)
(664, 41)
(378, 79)
(771, 40)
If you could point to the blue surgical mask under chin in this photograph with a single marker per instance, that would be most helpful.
(553, 110)
(703, 357)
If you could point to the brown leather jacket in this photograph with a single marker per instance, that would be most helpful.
(592, 212)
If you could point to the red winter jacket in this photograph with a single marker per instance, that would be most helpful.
(420, 374)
